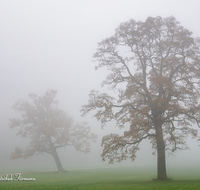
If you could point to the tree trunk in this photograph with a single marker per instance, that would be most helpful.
(57, 161)
(161, 163)
(55, 156)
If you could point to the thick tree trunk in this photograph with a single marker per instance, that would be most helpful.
(161, 163)
(55, 156)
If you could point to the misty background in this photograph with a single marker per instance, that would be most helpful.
(48, 44)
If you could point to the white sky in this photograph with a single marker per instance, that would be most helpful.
(48, 44)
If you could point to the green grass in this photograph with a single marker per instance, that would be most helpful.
(112, 179)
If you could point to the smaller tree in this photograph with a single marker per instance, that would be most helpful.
(49, 128)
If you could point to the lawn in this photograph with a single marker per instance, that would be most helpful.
(107, 178)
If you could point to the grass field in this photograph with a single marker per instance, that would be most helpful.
(112, 179)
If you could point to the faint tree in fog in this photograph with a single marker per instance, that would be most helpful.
(48, 128)
(155, 69)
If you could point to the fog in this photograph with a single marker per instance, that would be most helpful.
(48, 44)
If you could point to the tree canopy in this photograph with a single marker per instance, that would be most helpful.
(48, 128)
(155, 70)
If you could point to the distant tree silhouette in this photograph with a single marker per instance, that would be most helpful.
(48, 128)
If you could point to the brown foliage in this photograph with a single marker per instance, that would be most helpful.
(17, 154)
(155, 66)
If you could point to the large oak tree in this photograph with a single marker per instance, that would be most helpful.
(48, 128)
(155, 70)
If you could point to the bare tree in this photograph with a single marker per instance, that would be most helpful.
(155, 68)
(49, 128)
